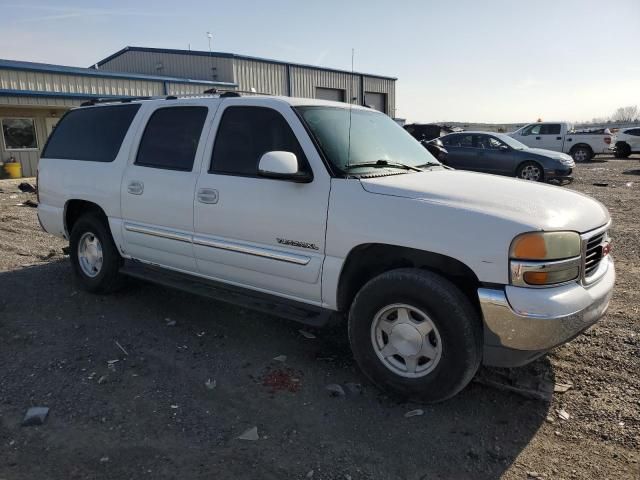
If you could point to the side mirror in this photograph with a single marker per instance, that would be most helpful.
(282, 166)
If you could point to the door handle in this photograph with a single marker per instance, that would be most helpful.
(208, 195)
(135, 187)
(558, 138)
(537, 138)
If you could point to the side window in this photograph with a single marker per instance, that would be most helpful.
(532, 130)
(494, 143)
(550, 129)
(171, 138)
(245, 134)
(633, 131)
(19, 133)
(461, 141)
(92, 134)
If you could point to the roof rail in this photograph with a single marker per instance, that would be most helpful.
(93, 101)
(227, 92)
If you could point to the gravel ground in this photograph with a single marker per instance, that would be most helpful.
(155, 383)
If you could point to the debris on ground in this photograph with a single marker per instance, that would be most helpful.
(600, 184)
(102, 379)
(562, 413)
(280, 358)
(310, 474)
(335, 390)
(282, 379)
(306, 334)
(562, 387)
(522, 381)
(29, 203)
(35, 416)
(353, 388)
(414, 413)
(121, 348)
(25, 187)
(211, 384)
(169, 323)
(251, 435)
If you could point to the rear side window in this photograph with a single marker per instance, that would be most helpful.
(633, 131)
(550, 129)
(171, 138)
(93, 134)
(245, 134)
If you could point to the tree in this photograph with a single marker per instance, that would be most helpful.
(625, 114)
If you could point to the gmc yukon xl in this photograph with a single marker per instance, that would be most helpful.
(320, 211)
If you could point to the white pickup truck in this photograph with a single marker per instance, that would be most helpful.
(561, 137)
(319, 211)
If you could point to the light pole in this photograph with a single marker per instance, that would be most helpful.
(210, 37)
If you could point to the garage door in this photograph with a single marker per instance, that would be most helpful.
(333, 94)
(377, 101)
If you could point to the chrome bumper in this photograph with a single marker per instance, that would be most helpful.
(520, 323)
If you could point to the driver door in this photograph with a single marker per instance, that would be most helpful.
(262, 233)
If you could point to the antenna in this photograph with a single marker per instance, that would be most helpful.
(350, 109)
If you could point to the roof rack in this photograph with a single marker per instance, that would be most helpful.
(93, 101)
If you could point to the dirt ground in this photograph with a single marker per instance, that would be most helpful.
(197, 374)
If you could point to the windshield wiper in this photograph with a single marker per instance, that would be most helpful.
(382, 164)
(430, 164)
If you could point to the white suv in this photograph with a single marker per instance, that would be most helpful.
(316, 210)
(626, 142)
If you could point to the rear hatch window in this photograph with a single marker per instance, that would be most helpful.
(92, 134)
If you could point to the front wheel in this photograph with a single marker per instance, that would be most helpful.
(623, 150)
(415, 334)
(530, 171)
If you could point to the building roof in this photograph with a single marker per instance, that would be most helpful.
(92, 72)
(232, 56)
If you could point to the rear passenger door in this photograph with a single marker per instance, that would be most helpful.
(158, 185)
(461, 153)
(262, 233)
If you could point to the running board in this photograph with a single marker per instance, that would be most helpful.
(263, 302)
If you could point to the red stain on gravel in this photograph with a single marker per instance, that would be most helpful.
(282, 380)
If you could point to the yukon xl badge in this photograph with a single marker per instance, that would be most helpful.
(295, 243)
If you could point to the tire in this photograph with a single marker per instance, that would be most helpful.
(623, 151)
(90, 241)
(531, 171)
(581, 154)
(456, 333)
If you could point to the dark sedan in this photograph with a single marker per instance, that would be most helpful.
(503, 155)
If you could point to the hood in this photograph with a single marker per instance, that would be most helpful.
(563, 157)
(537, 205)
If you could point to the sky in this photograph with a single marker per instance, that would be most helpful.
(466, 60)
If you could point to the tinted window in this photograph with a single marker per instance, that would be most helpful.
(550, 129)
(245, 134)
(532, 130)
(633, 131)
(171, 138)
(94, 134)
(19, 133)
(460, 141)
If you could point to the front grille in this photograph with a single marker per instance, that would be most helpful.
(593, 254)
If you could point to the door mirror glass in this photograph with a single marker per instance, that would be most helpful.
(283, 166)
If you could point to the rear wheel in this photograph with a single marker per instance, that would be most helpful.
(530, 171)
(623, 150)
(581, 154)
(94, 256)
(415, 334)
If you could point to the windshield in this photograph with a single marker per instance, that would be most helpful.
(512, 142)
(374, 137)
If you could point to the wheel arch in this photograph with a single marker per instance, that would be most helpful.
(369, 260)
(75, 208)
(581, 145)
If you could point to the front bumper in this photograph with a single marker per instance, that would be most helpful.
(521, 324)
(559, 174)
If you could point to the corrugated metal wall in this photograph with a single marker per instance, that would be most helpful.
(75, 84)
(383, 85)
(264, 77)
(305, 80)
(172, 64)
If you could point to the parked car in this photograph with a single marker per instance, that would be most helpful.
(561, 137)
(436, 148)
(626, 141)
(502, 155)
(319, 211)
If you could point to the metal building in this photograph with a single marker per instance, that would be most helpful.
(259, 74)
(33, 97)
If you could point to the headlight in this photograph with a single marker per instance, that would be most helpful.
(545, 258)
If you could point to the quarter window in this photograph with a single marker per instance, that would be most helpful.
(19, 133)
(247, 133)
(92, 134)
(171, 138)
